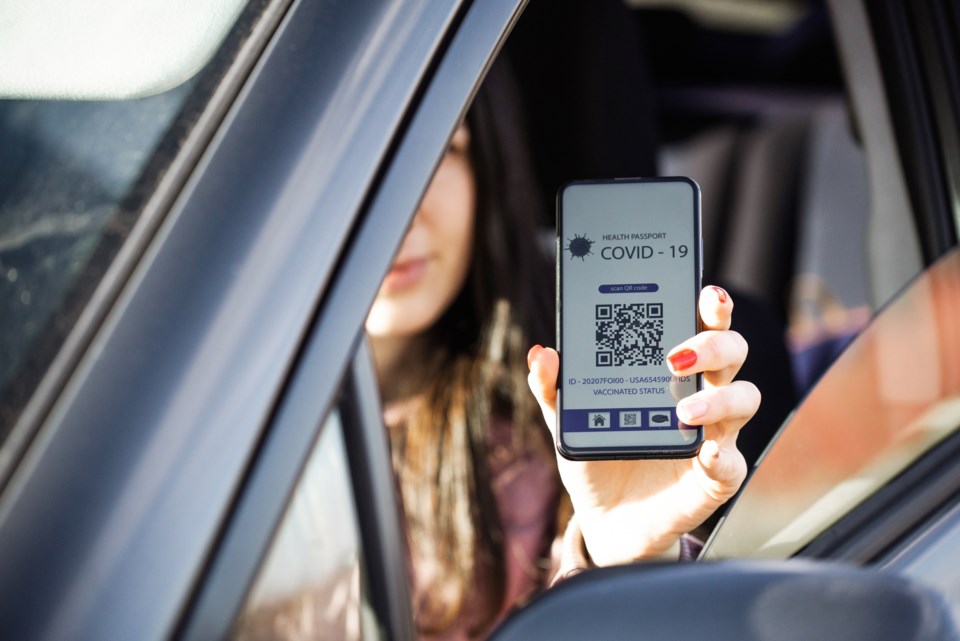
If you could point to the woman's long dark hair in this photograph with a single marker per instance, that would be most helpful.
(474, 374)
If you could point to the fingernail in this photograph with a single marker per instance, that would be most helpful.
(532, 354)
(682, 360)
(721, 293)
(691, 410)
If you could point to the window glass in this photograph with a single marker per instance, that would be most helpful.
(311, 585)
(892, 395)
(75, 176)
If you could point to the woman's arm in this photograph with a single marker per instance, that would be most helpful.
(630, 510)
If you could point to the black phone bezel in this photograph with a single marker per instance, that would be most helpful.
(627, 452)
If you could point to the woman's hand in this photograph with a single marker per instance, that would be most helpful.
(629, 510)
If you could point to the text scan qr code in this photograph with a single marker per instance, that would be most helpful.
(629, 334)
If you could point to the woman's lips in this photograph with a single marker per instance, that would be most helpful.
(405, 274)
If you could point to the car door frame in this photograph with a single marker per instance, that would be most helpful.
(420, 145)
(231, 337)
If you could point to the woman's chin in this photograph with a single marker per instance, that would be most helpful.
(390, 317)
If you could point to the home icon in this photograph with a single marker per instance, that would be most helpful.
(598, 420)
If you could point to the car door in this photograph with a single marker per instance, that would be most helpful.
(865, 471)
(148, 470)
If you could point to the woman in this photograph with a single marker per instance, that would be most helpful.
(469, 291)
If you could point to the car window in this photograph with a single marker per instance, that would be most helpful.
(76, 176)
(891, 397)
(312, 582)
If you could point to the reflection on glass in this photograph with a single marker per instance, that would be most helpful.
(76, 176)
(890, 397)
(68, 171)
(309, 586)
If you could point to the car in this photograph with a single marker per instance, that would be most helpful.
(197, 207)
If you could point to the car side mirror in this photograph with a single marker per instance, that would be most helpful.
(741, 601)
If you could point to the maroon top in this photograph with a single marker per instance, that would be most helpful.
(538, 551)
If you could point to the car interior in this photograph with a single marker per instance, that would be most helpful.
(751, 103)
(747, 97)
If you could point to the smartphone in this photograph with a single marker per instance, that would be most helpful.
(629, 269)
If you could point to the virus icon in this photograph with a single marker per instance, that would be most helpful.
(579, 246)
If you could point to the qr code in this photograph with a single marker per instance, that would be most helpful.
(629, 334)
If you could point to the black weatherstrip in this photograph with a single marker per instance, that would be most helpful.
(888, 517)
(375, 491)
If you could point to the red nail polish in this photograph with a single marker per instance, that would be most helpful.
(721, 293)
(683, 360)
(532, 354)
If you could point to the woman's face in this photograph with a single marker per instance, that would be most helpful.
(435, 255)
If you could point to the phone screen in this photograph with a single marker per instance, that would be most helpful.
(629, 271)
